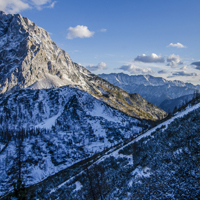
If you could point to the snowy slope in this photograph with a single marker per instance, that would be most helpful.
(119, 172)
(127, 173)
(59, 127)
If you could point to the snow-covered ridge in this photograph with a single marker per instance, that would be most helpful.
(142, 80)
(61, 127)
(145, 172)
(156, 90)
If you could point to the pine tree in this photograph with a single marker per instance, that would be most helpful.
(19, 186)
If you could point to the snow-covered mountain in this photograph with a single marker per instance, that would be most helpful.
(144, 80)
(60, 126)
(30, 59)
(154, 89)
(57, 127)
(161, 163)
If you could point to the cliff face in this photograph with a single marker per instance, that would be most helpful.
(30, 58)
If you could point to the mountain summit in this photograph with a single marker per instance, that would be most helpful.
(30, 59)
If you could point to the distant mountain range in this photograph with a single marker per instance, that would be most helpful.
(156, 90)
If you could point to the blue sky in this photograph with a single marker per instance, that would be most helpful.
(154, 37)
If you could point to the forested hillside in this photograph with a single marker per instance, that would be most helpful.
(164, 165)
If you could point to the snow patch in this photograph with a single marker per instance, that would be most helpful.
(2, 145)
(178, 151)
(51, 81)
(98, 111)
(139, 172)
(130, 183)
(49, 122)
(78, 186)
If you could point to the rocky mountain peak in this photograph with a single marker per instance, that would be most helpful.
(30, 59)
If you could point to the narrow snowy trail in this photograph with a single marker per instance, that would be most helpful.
(115, 153)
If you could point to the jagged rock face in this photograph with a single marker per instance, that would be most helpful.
(30, 59)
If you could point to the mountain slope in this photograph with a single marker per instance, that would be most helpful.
(162, 163)
(30, 59)
(169, 105)
(57, 128)
(154, 89)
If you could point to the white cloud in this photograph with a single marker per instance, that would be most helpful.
(174, 60)
(53, 4)
(153, 58)
(135, 69)
(184, 73)
(197, 64)
(184, 67)
(103, 30)
(79, 31)
(162, 72)
(40, 2)
(98, 67)
(178, 45)
(16, 6)
(13, 6)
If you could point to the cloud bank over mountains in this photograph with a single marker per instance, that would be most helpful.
(168, 66)
(174, 60)
(131, 68)
(100, 66)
